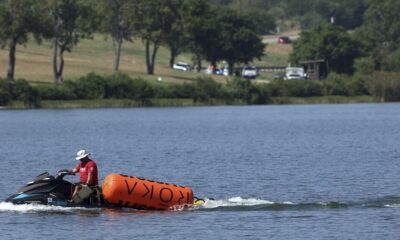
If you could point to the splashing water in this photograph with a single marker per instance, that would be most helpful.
(235, 201)
(33, 208)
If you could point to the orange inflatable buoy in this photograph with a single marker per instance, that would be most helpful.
(129, 191)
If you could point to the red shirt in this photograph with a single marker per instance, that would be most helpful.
(84, 170)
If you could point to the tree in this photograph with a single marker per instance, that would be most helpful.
(176, 40)
(152, 20)
(349, 14)
(263, 22)
(380, 35)
(71, 21)
(117, 22)
(218, 34)
(331, 43)
(199, 25)
(17, 19)
(236, 40)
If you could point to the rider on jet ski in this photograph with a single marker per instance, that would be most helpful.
(87, 169)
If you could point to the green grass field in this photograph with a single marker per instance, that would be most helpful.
(96, 55)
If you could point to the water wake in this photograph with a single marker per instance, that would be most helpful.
(252, 204)
(229, 204)
(38, 208)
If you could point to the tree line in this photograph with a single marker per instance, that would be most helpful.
(373, 46)
(207, 31)
(308, 13)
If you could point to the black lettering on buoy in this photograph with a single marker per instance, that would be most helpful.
(171, 195)
(124, 175)
(182, 197)
(149, 191)
(130, 190)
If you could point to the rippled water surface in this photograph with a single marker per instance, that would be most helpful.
(274, 172)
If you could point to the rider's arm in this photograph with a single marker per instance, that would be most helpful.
(73, 171)
(89, 179)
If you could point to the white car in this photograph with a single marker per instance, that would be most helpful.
(295, 73)
(249, 72)
(182, 66)
(293, 76)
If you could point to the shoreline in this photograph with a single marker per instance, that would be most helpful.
(127, 103)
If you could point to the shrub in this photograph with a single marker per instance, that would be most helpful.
(121, 86)
(92, 86)
(296, 88)
(23, 91)
(206, 88)
(277, 88)
(185, 90)
(56, 92)
(240, 88)
(259, 94)
(118, 86)
(364, 65)
(141, 89)
(384, 85)
(391, 61)
(336, 84)
(357, 86)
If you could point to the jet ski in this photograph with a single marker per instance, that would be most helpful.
(56, 191)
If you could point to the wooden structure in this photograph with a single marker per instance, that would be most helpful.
(316, 69)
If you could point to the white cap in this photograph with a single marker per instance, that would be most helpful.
(81, 154)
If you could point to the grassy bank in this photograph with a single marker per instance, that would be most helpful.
(96, 55)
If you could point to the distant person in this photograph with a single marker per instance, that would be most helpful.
(87, 169)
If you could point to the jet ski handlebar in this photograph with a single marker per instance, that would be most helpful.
(62, 173)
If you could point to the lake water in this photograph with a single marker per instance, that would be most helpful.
(275, 172)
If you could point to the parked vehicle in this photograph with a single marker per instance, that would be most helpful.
(225, 71)
(219, 71)
(295, 73)
(182, 66)
(284, 40)
(249, 72)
